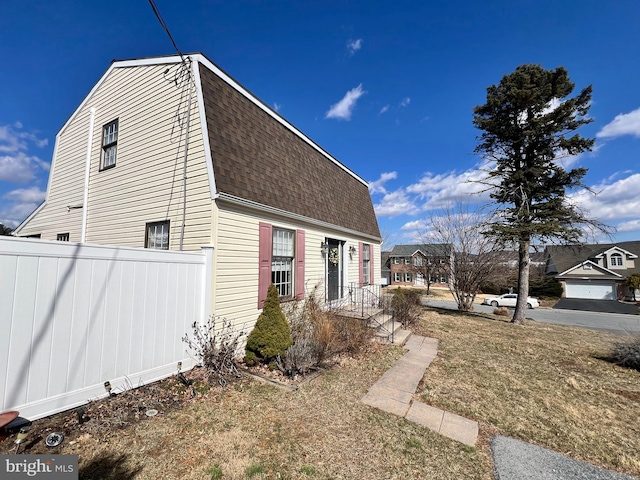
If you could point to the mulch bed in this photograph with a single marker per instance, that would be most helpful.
(131, 404)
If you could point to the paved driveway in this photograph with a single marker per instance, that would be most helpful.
(601, 306)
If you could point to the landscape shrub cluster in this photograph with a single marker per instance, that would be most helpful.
(406, 306)
(298, 340)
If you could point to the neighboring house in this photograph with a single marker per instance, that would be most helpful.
(174, 155)
(593, 271)
(419, 265)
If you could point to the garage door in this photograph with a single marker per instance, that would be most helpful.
(594, 290)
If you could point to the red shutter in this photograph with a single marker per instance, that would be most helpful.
(300, 264)
(264, 262)
(360, 273)
(372, 265)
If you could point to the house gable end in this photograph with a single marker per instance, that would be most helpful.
(583, 266)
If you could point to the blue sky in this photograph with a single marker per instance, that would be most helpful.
(388, 88)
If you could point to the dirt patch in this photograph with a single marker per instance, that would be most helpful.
(127, 406)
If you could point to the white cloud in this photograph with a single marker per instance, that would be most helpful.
(396, 203)
(19, 167)
(21, 203)
(343, 109)
(276, 106)
(354, 45)
(623, 124)
(31, 194)
(377, 186)
(383, 109)
(630, 226)
(615, 200)
(415, 225)
(405, 102)
(15, 164)
(440, 190)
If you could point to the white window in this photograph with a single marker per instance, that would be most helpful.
(366, 264)
(408, 277)
(417, 261)
(157, 235)
(616, 260)
(109, 145)
(282, 261)
(407, 260)
(396, 260)
(63, 237)
(396, 277)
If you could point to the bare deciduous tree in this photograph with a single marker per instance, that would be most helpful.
(473, 257)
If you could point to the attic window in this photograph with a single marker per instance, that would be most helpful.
(109, 145)
(586, 266)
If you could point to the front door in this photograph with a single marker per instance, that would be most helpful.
(334, 270)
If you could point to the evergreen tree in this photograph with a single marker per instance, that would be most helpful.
(271, 336)
(528, 124)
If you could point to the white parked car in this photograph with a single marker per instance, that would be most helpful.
(509, 300)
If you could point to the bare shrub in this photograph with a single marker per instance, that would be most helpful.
(406, 306)
(627, 354)
(216, 345)
(319, 335)
(352, 335)
(501, 311)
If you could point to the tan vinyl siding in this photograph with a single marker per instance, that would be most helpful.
(146, 183)
(236, 259)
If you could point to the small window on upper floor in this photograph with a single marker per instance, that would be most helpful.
(109, 145)
(407, 260)
(63, 237)
(616, 260)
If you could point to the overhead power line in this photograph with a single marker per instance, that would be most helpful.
(164, 26)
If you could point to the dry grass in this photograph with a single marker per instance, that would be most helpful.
(545, 384)
(540, 383)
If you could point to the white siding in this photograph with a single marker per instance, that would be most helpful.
(146, 183)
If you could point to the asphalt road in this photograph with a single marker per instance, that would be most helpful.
(606, 322)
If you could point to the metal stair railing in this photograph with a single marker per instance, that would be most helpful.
(368, 301)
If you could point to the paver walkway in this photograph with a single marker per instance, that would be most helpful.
(394, 391)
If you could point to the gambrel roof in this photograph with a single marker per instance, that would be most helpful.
(258, 156)
(257, 159)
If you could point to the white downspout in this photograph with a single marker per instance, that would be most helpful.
(87, 165)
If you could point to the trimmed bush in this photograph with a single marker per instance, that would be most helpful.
(271, 335)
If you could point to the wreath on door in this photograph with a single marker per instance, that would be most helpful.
(334, 256)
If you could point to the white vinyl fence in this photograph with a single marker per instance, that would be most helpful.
(73, 316)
